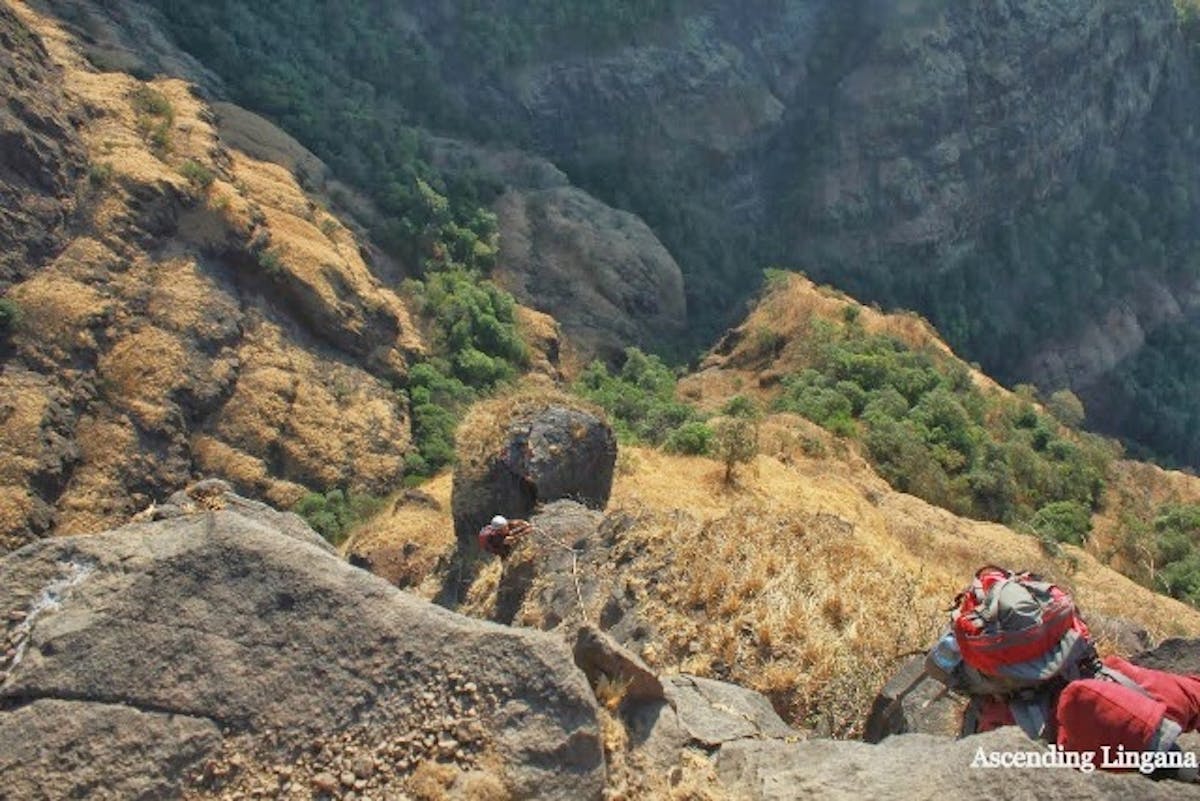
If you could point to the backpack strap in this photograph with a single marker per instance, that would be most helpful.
(1112, 674)
(1031, 711)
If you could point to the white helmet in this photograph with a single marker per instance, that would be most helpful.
(499, 521)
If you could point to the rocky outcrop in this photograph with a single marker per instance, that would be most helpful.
(112, 750)
(1176, 655)
(543, 453)
(601, 659)
(599, 271)
(908, 705)
(916, 766)
(222, 649)
(204, 315)
(41, 155)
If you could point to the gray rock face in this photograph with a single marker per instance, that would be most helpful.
(53, 749)
(41, 157)
(917, 766)
(602, 273)
(888, 143)
(214, 619)
(713, 713)
(924, 709)
(599, 657)
(1176, 655)
(551, 454)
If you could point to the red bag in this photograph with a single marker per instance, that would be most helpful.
(1019, 628)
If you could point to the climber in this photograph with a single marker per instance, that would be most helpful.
(500, 536)
(1019, 649)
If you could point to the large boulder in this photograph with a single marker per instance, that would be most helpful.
(540, 453)
(225, 650)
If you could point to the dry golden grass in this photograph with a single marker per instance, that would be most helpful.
(773, 342)
(631, 778)
(142, 370)
(94, 500)
(16, 505)
(315, 250)
(809, 580)
(60, 311)
(409, 537)
(327, 421)
(24, 403)
(551, 354)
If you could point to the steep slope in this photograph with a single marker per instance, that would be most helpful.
(189, 309)
(1015, 173)
(784, 581)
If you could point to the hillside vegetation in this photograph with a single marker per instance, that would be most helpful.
(935, 427)
(745, 135)
(784, 578)
(205, 313)
(785, 582)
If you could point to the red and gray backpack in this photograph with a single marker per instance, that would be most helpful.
(1017, 637)
(1018, 629)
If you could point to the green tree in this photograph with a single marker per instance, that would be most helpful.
(10, 316)
(1067, 407)
(735, 441)
(1063, 521)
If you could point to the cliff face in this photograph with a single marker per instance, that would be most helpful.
(1014, 171)
(41, 157)
(183, 307)
(1007, 170)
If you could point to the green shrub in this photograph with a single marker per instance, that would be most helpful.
(197, 174)
(477, 348)
(155, 114)
(741, 406)
(271, 262)
(436, 400)
(693, 439)
(10, 317)
(100, 174)
(640, 398)
(1064, 521)
(334, 513)
(474, 325)
(151, 102)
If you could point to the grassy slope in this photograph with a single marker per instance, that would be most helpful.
(809, 577)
